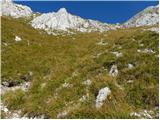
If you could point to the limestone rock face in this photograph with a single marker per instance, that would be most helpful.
(14, 10)
(147, 17)
(64, 21)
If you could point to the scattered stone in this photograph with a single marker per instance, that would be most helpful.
(30, 73)
(87, 82)
(130, 81)
(3, 89)
(62, 114)
(3, 108)
(5, 83)
(145, 114)
(138, 50)
(141, 45)
(120, 47)
(66, 85)
(10, 114)
(133, 39)
(17, 39)
(39, 117)
(113, 71)
(23, 86)
(154, 29)
(74, 74)
(10, 83)
(102, 43)
(102, 95)
(130, 66)
(15, 115)
(135, 114)
(84, 97)
(117, 54)
(5, 44)
(146, 50)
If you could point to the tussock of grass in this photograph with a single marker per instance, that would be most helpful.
(15, 99)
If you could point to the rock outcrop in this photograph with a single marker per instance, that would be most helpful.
(64, 21)
(147, 17)
(14, 10)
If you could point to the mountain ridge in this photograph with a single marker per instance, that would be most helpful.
(147, 17)
(9, 8)
(89, 75)
(62, 21)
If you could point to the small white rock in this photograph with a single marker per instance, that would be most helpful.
(87, 82)
(66, 85)
(25, 86)
(4, 108)
(138, 50)
(130, 81)
(117, 54)
(113, 71)
(62, 114)
(5, 44)
(130, 66)
(83, 98)
(141, 45)
(17, 38)
(102, 43)
(135, 114)
(146, 50)
(102, 95)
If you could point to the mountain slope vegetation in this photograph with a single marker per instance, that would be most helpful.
(58, 66)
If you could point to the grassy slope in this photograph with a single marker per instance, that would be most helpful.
(54, 59)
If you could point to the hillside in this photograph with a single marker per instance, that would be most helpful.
(147, 17)
(113, 74)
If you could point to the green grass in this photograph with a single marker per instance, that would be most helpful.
(14, 99)
(54, 59)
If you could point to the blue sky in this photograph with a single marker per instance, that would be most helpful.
(104, 11)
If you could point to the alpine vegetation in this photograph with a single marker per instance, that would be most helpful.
(59, 65)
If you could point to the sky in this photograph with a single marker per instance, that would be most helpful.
(104, 11)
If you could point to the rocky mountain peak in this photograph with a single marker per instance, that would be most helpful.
(64, 21)
(6, 1)
(9, 8)
(147, 17)
(62, 10)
